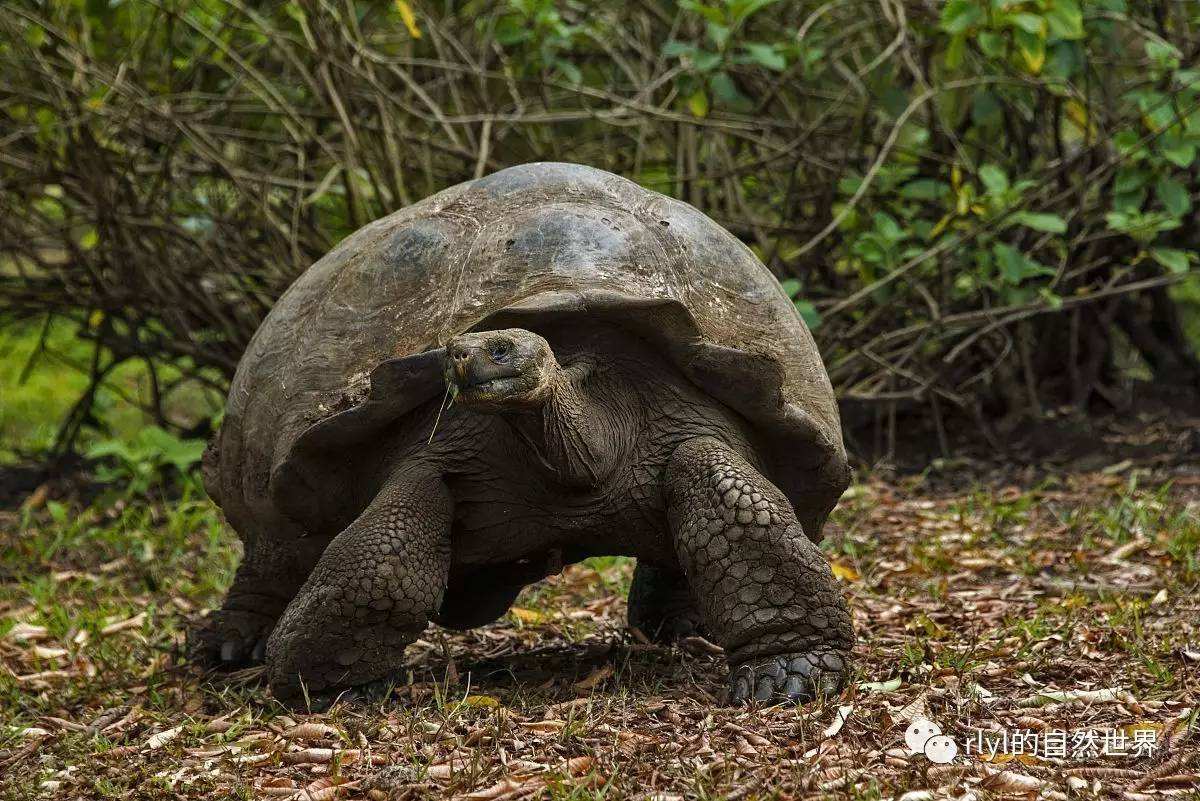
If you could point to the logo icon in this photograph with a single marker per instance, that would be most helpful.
(925, 737)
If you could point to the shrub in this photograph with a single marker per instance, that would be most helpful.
(977, 204)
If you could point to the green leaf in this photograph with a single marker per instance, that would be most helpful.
(1162, 53)
(849, 184)
(744, 9)
(1177, 151)
(705, 61)
(35, 36)
(994, 179)
(110, 447)
(718, 34)
(1015, 266)
(991, 43)
(710, 13)
(1173, 195)
(1174, 260)
(809, 313)
(887, 226)
(1064, 61)
(1033, 50)
(765, 56)
(1129, 179)
(725, 90)
(1030, 23)
(959, 15)
(1040, 221)
(698, 103)
(790, 286)
(1065, 19)
(923, 189)
(985, 108)
(956, 51)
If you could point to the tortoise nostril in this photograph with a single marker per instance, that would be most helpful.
(460, 354)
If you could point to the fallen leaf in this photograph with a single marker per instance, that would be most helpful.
(1107, 695)
(1002, 781)
(121, 625)
(162, 738)
(839, 720)
(598, 675)
(312, 731)
(502, 787)
(527, 615)
(577, 766)
(308, 756)
(42, 652)
(26, 632)
(889, 686)
(844, 571)
(545, 726)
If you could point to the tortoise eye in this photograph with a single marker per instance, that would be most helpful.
(500, 351)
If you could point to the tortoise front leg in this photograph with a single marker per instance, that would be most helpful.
(764, 590)
(371, 594)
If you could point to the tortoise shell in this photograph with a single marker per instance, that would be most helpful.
(354, 343)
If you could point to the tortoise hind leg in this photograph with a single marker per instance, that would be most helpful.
(372, 593)
(472, 604)
(483, 595)
(269, 576)
(661, 605)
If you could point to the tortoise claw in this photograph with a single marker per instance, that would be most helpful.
(231, 639)
(789, 678)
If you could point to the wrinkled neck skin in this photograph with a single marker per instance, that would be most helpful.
(583, 428)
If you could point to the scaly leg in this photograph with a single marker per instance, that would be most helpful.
(372, 593)
(764, 590)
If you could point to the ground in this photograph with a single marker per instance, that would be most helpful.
(1061, 605)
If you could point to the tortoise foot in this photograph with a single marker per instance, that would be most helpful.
(789, 678)
(230, 639)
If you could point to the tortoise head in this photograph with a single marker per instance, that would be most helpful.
(497, 371)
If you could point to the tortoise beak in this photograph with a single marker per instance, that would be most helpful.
(469, 366)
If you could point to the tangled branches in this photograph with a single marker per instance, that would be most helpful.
(966, 203)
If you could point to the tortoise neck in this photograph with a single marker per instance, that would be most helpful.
(580, 429)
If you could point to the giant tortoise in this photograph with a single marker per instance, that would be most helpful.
(517, 373)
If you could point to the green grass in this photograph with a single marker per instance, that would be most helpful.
(43, 371)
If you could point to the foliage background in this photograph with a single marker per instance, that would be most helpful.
(983, 207)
